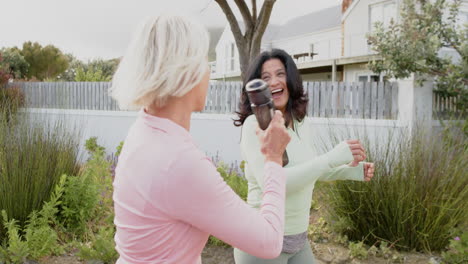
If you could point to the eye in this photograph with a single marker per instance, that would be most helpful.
(281, 74)
(266, 78)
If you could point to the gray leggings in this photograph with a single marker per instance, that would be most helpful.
(304, 256)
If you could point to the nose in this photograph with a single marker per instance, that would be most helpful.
(273, 82)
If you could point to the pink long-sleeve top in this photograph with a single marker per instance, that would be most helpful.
(168, 198)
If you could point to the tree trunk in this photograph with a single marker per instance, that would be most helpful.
(249, 42)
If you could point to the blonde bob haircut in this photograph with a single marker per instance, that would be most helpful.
(167, 57)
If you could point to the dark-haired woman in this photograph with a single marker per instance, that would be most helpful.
(305, 167)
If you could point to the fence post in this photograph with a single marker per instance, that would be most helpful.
(415, 102)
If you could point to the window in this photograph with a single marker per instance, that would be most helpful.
(226, 56)
(374, 78)
(232, 57)
(382, 12)
(369, 78)
(362, 78)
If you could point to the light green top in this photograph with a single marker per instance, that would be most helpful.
(304, 169)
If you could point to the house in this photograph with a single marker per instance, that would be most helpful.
(327, 45)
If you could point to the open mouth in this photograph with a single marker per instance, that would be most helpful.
(277, 93)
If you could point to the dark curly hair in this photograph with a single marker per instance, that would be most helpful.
(297, 103)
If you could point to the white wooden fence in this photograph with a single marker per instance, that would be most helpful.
(326, 99)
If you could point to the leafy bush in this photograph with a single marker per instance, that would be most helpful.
(232, 177)
(11, 99)
(418, 195)
(39, 238)
(79, 203)
(102, 247)
(33, 156)
(87, 196)
(97, 172)
(358, 250)
(458, 250)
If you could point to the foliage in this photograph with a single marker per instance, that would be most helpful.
(318, 231)
(457, 252)
(39, 238)
(11, 99)
(237, 182)
(4, 72)
(79, 203)
(33, 156)
(73, 64)
(107, 67)
(417, 43)
(418, 195)
(97, 70)
(358, 250)
(100, 227)
(102, 247)
(17, 64)
(87, 197)
(44, 62)
(91, 75)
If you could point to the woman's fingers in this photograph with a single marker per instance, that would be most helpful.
(358, 155)
(357, 146)
(368, 171)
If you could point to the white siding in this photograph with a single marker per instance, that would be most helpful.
(224, 55)
(315, 77)
(326, 43)
(353, 71)
(358, 23)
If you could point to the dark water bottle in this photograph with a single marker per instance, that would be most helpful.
(262, 105)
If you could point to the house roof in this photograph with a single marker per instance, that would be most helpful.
(269, 35)
(316, 21)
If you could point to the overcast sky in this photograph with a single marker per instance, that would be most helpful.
(102, 28)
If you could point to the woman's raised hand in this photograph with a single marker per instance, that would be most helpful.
(359, 154)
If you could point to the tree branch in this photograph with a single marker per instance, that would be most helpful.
(231, 19)
(263, 19)
(254, 11)
(245, 12)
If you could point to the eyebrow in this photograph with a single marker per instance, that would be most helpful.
(279, 70)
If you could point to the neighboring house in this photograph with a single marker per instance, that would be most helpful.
(328, 45)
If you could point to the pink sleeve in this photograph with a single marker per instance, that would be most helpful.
(205, 201)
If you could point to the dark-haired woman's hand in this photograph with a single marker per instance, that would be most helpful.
(359, 154)
(274, 139)
(368, 171)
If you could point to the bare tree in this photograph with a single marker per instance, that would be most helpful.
(248, 43)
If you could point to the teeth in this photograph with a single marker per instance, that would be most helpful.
(276, 91)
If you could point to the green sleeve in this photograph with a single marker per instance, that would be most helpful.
(298, 176)
(344, 172)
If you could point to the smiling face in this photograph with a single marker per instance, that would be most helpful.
(274, 73)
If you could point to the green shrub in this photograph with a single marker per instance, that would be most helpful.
(418, 195)
(358, 250)
(33, 156)
(87, 196)
(457, 252)
(98, 241)
(39, 238)
(11, 99)
(101, 247)
(79, 203)
(233, 178)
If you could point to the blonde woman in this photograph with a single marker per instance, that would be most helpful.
(168, 196)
